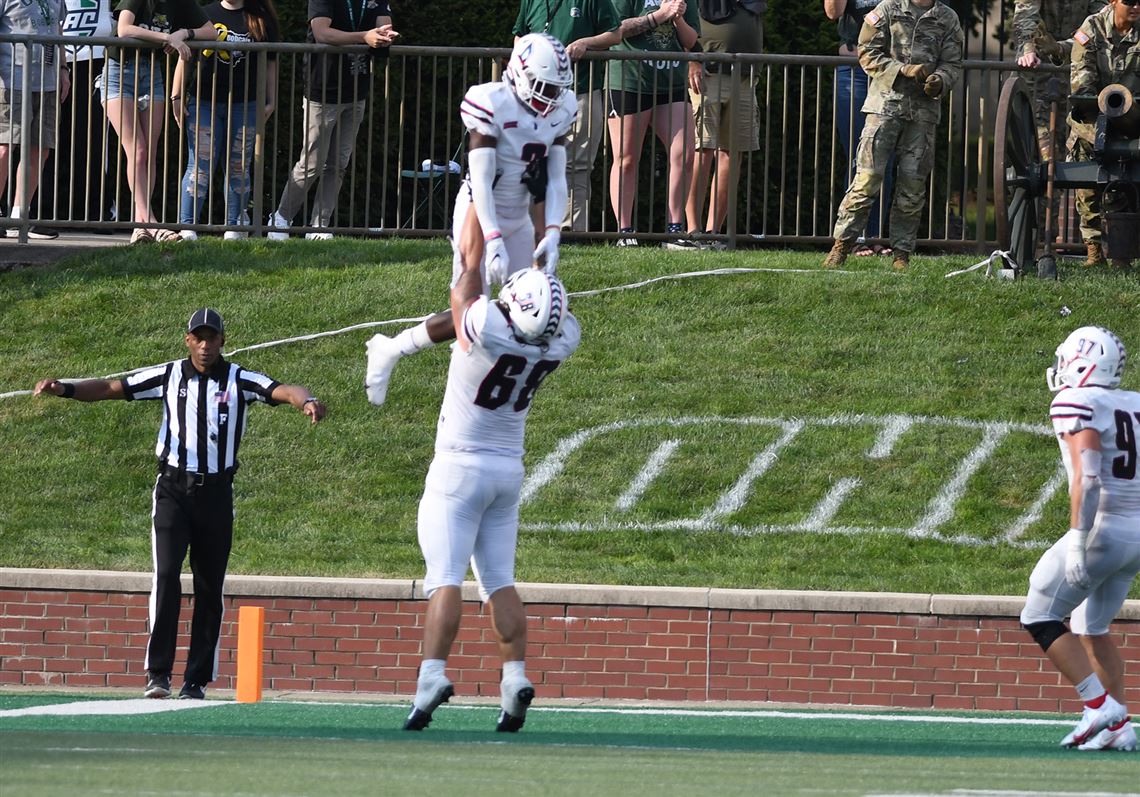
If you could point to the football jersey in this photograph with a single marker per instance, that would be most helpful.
(1115, 415)
(490, 387)
(492, 109)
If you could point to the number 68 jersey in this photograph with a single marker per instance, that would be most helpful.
(490, 387)
(1115, 415)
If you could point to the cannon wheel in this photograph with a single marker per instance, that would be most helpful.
(1017, 174)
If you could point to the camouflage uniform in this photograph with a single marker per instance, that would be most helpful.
(1101, 56)
(1060, 20)
(901, 119)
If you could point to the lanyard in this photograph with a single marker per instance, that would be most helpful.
(550, 14)
(352, 13)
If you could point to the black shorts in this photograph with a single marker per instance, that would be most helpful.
(624, 103)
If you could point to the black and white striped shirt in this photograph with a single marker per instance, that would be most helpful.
(203, 415)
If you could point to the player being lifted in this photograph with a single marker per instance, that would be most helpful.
(1087, 573)
(516, 152)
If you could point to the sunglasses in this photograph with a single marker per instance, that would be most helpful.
(1131, 3)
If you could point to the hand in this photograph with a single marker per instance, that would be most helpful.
(933, 86)
(1046, 45)
(1029, 61)
(918, 72)
(314, 410)
(670, 10)
(546, 253)
(269, 109)
(1076, 573)
(53, 386)
(178, 110)
(64, 83)
(496, 264)
(380, 37)
(180, 47)
(576, 49)
(696, 77)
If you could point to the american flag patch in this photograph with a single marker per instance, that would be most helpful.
(873, 18)
(1082, 37)
(221, 397)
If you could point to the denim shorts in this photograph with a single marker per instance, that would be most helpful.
(132, 79)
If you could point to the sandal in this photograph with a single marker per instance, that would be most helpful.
(167, 236)
(141, 235)
(864, 250)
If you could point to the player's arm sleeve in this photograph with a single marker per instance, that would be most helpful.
(557, 192)
(478, 114)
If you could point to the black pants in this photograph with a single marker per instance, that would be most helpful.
(201, 520)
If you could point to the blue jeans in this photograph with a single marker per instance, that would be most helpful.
(851, 92)
(211, 129)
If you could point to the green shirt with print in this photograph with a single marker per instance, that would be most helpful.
(653, 76)
(568, 21)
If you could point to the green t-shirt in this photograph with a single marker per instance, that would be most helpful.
(651, 77)
(165, 16)
(568, 21)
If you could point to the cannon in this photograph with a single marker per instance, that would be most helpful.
(1022, 180)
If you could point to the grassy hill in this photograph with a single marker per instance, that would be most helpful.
(782, 427)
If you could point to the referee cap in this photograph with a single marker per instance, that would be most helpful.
(206, 317)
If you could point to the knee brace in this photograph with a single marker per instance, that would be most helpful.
(1047, 632)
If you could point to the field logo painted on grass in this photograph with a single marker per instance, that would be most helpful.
(939, 509)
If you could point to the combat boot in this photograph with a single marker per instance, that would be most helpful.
(1095, 254)
(901, 261)
(838, 254)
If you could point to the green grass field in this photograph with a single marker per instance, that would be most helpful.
(293, 748)
(782, 427)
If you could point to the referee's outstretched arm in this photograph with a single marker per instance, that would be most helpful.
(85, 390)
(300, 397)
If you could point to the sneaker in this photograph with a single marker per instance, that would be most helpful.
(34, 233)
(1095, 720)
(429, 696)
(1121, 736)
(838, 254)
(188, 235)
(318, 236)
(157, 686)
(715, 246)
(629, 240)
(383, 354)
(517, 697)
(278, 222)
(681, 245)
(191, 691)
(234, 235)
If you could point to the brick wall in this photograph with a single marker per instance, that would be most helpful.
(88, 629)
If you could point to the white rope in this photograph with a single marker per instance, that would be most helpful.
(416, 320)
(997, 255)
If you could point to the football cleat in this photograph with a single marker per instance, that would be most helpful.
(383, 354)
(1094, 720)
(1121, 736)
(517, 697)
(429, 696)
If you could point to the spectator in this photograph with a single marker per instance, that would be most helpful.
(469, 513)
(912, 49)
(48, 82)
(581, 25)
(335, 92)
(134, 92)
(648, 93)
(219, 106)
(1105, 51)
(1046, 28)
(205, 401)
(723, 128)
(850, 93)
(1087, 572)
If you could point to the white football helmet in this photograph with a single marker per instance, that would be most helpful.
(537, 304)
(539, 72)
(1089, 356)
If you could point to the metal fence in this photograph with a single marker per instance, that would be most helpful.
(401, 180)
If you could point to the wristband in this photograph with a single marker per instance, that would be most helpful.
(651, 19)
(309, 399)
(68, 390)
(175, 97)
(189, 34)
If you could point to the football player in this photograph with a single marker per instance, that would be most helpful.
(469, 513)
(516, 152)
(1091, 567)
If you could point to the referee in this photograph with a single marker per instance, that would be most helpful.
(204, 404)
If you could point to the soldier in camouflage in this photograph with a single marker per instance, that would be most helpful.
(1043, 34)
(1106, 50)
(912, 49)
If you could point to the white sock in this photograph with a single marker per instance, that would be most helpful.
(414, 339)
(14, 213)
(1090, 688)
(514, 670)
(430, 668)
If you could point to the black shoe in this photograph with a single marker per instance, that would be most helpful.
(434, 695)
(34, 233)
(512, 723)
(157, 686)
(191, 691)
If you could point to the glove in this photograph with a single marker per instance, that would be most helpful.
(933, 86)
(546, 253)
(917, 72)
(1075, 571)
(496, 265)
(1046, 45)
